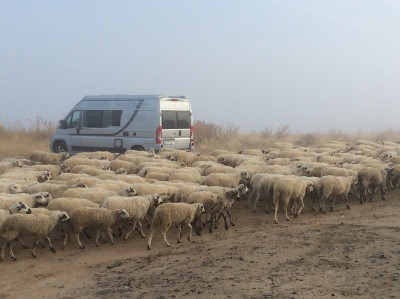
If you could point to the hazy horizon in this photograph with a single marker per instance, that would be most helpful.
(314, 66)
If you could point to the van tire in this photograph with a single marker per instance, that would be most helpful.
(138, 148)
(59, 147)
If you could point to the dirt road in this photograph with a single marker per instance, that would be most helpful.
(348, 253)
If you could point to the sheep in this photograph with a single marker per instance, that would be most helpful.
(166, 192)
(100, 218)
(18, 207)
(180, 214)
(208, 199)
(371, 177)
(264, 188)
(74, 161)
(11, 189)
(7, 165)
(186, 175)
(131, 168)
(289, 188)
(36, 225)
(130, 178)
(335, 186)
(137, 208)
(98, 155)
(28, 175)
(182, 193)
(49, 158)
(225, 179)
(56, 190)
(68, 205)
(32, 200)
(121, 171)
(394, 179)
(336, 171)
(54, 170)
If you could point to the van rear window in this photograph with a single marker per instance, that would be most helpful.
(175, 119)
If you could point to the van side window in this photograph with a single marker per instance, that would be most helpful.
(101, 118)
(72, 120)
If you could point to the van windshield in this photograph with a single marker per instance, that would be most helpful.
(175, 119)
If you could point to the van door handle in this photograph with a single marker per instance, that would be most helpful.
(180, 132)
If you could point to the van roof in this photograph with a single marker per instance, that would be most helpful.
(128, 97)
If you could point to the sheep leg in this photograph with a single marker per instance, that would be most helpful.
(141, 229)
(97, 237)
(22, 243)
(285, 208)
(276, 206)
(333, 203)
(383, 192)
(35, 244)
(79, 240)
(3, 247)
(256, 201)
(223, 216)
(211, 222)
(110, 235)
(347, 201)
(51, 245)
(11, 252)
(230, 217)
(322, 204)
(150, 237)
(297, 214)
(65, 241)
(180, 233)
(190, 232)
(130, 231)
(164, 233)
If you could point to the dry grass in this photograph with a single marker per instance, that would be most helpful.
(16, 141)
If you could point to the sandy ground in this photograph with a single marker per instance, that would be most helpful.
(348, 253)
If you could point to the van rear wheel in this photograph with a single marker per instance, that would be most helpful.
(60, 147)
(138, 148)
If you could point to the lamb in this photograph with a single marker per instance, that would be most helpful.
(49, 158)
(180, 214)
(371, 177)
(100, 218)
(36, 225)
(290, 188)
(335, 186)
(225, 179)
(137, 208)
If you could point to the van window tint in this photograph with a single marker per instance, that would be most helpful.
(176, 120)
(101, 118)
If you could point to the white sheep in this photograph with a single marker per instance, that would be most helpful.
(97, 155)
(225, 179)
(131, 168)
(335, 186)
(373, 178)
(7, 165)
(99, 218)
(28, 225)
(137, 208)
(55, 189)
(49, 158)
(180, 214)
(186, 175)
(32, 200)
(290, 188)
(18, 207)
(68, 205)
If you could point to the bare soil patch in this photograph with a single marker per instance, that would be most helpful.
(348, 253)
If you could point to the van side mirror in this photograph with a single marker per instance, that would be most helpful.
(63, 124)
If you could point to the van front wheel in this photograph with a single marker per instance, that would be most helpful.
(59, 147)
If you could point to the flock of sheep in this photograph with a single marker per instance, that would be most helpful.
(115, 194)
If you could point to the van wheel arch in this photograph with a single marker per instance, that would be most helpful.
(137, 148)
(60, 146)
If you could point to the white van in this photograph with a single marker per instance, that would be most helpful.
(118, 123)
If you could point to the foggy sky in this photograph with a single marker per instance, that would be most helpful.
(311, 65)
